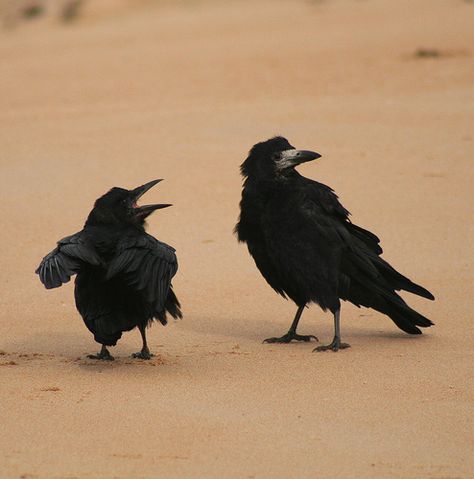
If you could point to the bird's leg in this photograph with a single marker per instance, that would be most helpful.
(291, 334)
(336, 342)
(103, 354)
(145, 352)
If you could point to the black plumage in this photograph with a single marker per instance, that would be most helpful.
(308, 250)
(123, 274)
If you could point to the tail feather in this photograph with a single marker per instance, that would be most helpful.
(370, 281)
(406, 318)
(172, 306)
(401, 282)
(372, 294)
(103, 329)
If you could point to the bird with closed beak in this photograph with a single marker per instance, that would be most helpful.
(308, 250)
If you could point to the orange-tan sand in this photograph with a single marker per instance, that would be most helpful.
(181, 91)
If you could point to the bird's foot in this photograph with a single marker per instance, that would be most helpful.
(103, 355)
(143, 354)
(336, 345)
(290, 336)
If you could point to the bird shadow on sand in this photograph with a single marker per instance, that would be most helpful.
(258, 329)
(54, 344)
(73, 349)
(231, 328)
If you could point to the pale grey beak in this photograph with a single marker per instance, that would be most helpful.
(290, 158)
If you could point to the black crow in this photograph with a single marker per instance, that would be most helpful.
(123, 274)
(308, 250)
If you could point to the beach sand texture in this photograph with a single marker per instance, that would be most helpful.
(181, 91)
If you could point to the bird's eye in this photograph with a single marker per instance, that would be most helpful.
(275, 156)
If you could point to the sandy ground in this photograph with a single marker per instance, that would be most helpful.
(182, 92)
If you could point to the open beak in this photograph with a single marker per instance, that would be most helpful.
(137, 193)
(289, 158)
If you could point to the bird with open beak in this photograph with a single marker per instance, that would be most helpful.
(123, 275)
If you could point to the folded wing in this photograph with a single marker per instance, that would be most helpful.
(147, 265)
(364, 278)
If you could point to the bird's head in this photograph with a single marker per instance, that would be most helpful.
(274, 157)
(119, 206)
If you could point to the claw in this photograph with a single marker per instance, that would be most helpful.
(288, 337)
(143, 355)
(103, 355)
(334, 346)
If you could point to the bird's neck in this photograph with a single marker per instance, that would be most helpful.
(271, 184)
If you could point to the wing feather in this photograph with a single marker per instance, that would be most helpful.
(359, 248)
(65, 260)
(147, 265)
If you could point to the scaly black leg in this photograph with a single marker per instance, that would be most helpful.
(336, 342)
(291, 334)
(145, 352)
(103, 354)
